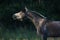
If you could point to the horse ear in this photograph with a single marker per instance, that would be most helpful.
(26, 8)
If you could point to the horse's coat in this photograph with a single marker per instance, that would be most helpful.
(42, 25)
(53, 28)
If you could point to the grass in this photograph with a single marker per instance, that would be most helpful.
(17, 34)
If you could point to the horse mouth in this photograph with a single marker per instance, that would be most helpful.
(19, 19)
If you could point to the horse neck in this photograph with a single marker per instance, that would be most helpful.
(37, 20)
(42, 22)
(30, 16)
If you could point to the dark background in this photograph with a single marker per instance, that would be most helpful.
(48, 8)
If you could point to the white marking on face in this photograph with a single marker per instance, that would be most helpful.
(19, 15)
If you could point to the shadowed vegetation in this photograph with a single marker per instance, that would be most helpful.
(12, 29)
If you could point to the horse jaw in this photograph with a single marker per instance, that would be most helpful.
(21, 19)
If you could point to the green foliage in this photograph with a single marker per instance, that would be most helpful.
(18, 34)
(49, 8)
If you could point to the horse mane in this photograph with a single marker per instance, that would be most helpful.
(39, 14)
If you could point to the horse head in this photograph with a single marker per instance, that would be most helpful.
(20, 15)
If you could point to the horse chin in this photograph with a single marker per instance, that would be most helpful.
(21, 19)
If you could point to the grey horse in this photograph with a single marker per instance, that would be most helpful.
(45, 27)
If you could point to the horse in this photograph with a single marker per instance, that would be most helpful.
(45, 27)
